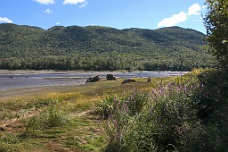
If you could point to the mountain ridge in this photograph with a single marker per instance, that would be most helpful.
(163, 48)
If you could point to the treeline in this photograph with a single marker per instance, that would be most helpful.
(97, 64)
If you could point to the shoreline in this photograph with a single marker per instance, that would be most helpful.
(22, 72)
(55, 71)
(29, 82)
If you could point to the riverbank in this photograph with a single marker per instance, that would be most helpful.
(53, 71)
(16, 79)
(8, 72)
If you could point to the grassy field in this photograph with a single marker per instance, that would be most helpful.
(60, 118)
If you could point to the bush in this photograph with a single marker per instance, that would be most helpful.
(211, 105)
(213, 94)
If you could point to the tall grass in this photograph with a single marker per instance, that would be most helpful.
(164, 119)
(51, 117)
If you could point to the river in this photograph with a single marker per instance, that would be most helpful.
(14, 80)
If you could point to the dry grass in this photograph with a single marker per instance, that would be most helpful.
(22, 111)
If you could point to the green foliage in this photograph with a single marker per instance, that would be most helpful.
(216, 22)
(172, 120)
(55, 118)
(211, 106)
(213, 94)
(162, 123)
(132, 103)
(10, 139)
(7, 142)
(76, 48)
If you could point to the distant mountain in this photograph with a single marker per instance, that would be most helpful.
(101, 48)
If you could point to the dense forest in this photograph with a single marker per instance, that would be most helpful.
(102, 48)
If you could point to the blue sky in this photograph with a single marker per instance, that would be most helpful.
(120, 14)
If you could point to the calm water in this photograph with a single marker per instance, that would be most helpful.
(13, 81)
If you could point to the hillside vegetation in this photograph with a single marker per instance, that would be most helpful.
(101, 48)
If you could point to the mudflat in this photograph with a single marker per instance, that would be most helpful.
(27, 83)
(25, 92)
(34, 91)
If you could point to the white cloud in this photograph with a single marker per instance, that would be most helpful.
(48, 11)
(84, 4)
(57, 23)
(5, 20)
(45, 2)
(181, 17)
(74, 2)
(194, 9)
(174, 20)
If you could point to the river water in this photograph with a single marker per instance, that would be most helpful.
(27, 80)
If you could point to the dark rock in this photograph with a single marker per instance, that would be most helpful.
(149, 80)
(93, 78)
(128, 81)
(110, 77)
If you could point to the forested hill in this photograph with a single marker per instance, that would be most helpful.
(101, 48)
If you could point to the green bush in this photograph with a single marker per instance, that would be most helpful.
(213, 94)
(211, 105)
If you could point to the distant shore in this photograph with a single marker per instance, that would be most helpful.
(33, 71)
(58, 71)
(70, 71)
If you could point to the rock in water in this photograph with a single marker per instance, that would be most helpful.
(93, 78)
(110, 77)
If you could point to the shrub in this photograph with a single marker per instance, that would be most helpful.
(211, 105)
(213, 94)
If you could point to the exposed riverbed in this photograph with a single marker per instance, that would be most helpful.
(29, 79)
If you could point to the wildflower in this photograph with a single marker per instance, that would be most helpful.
(202, 85)
(127, 109)
(178, 88)
(185, 88)
(119, 135)
(153, 92)
(115, 122)
(115, 99)
(170, 87)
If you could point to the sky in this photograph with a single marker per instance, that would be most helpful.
(120, 14)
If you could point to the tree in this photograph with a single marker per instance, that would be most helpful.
(216, 23)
